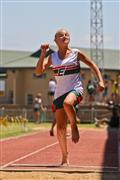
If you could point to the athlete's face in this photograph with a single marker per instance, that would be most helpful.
(62, 37)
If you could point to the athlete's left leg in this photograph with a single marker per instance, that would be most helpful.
(69, 102)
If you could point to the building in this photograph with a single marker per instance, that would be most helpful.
(19, 85)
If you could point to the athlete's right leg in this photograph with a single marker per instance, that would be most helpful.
(61, 120)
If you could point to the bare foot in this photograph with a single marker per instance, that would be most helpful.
(65, 161)
(75, 134)
(51, 133)
(64, 164)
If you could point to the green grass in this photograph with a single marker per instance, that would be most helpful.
(15, 129)
(86, 125)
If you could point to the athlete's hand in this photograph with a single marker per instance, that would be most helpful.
(100, 86)
(44, 47)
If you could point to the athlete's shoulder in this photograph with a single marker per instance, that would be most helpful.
(54, 54)
(75, 50)
(54, 58)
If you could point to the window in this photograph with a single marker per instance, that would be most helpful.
(2, 88)
(30, 99)
(3, 73)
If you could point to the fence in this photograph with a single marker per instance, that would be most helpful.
(89, 115)
(86, 114)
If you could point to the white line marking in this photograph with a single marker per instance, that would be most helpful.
(34, 152)
(30, 154)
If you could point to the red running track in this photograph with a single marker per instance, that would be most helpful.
(96, 148)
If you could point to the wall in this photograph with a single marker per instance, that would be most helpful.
(22, 82)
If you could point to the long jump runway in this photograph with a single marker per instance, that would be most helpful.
(97, 150)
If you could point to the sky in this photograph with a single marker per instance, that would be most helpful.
(26, 24)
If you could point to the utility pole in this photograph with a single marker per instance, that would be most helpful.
(96, 33)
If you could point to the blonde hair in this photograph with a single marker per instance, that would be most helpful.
(60, 30)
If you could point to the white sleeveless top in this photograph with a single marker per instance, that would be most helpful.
(67, 73)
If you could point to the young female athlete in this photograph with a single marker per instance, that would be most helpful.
(69, 89)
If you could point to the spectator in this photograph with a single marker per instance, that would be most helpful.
(38, 107)
(51, 89)
(114, 91)
(105, 92)
(91, 91)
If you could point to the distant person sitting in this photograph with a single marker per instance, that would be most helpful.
(113, 121)
(38, 108)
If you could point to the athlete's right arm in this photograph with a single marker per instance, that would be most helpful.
(43, 63)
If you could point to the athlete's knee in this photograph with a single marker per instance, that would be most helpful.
(67, 104)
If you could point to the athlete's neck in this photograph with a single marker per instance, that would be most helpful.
(64, 52)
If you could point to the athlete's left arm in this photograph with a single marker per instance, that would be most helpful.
(93, 66)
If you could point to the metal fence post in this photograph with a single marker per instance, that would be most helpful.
(24, 113)
(2, 111)
(92, 114)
